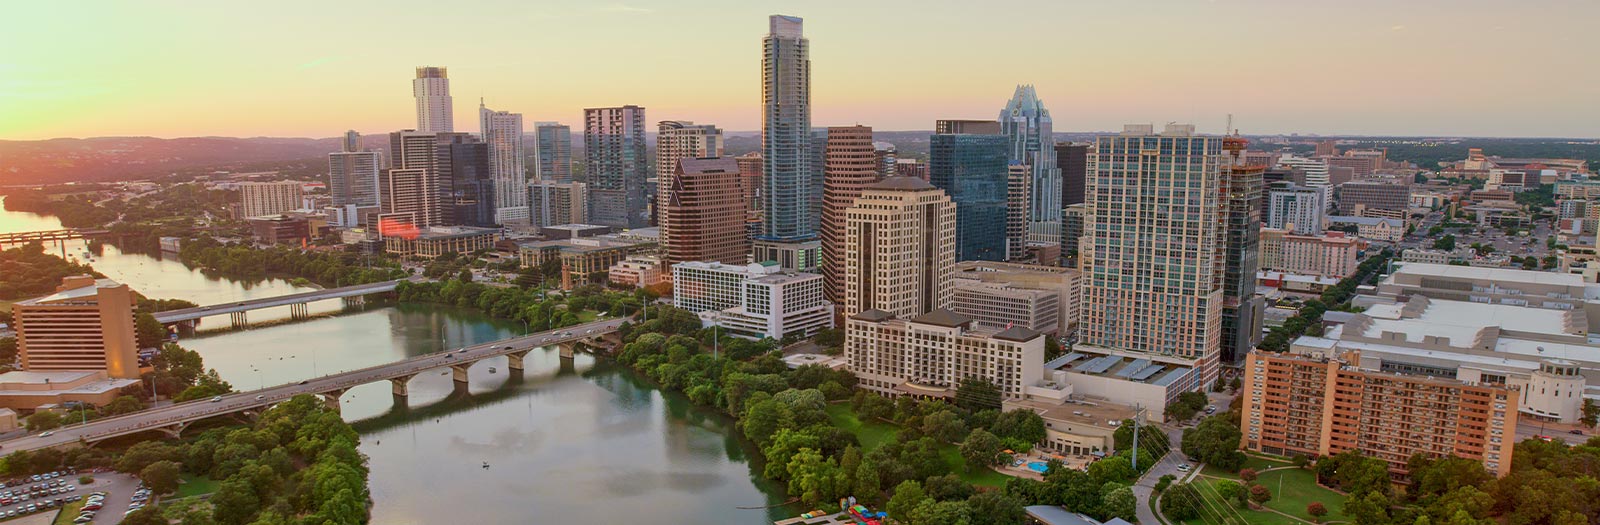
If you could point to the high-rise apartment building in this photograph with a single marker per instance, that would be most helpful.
(1320, 404)
(353, 175)
(851, 166)
(1019, 178)
(786, 133)
(552, 203)
(412, 201)
(259, 199)
(86, 325)
(552, 151)
(1242, 309)
(1297, 208)
(968, 160)
(680, 139)
(432, 91)
(703, 212)
(502, 131)
(899, 249)
(1155, 205)
(1027, 123)
(615, 165)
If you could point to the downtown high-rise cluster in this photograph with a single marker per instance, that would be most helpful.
(1146, 250)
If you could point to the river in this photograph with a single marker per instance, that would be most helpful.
(566, 441)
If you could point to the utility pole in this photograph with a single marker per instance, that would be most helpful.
(1138, 412)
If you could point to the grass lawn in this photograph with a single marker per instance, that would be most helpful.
(193, 485)
(1298, 489)
(873, 434)
(587, 316)
(1251, 462)
(69, 513)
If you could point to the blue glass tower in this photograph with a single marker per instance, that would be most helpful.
(792, 194)
(969, 161)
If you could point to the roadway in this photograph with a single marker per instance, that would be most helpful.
(189, 314)
(173, 415)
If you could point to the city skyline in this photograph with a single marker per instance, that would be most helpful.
(1365, 69)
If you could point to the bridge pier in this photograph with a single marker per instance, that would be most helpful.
(239, 320)
(568, 349)
(174, 430)
(331, 398)
(359, 300)
(459, 372)
(400, 385)
(514, 359)
(299, 311)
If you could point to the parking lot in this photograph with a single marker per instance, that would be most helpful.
(43, 494)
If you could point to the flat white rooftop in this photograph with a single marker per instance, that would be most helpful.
(1490, 274)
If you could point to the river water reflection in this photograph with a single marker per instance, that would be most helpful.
(566, 441)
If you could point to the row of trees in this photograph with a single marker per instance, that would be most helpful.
(1309, 317)
(542, 310)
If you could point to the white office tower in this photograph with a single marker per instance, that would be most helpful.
(432, 90)
(502, 131)
(1314, 173)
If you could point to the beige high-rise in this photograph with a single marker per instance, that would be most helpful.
(86, 325)
(850, 164)
(899, 249)
(260, 199)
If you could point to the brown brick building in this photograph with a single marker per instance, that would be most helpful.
(1299, 404)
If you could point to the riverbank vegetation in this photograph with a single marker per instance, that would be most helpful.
(250, 264)
(824, 440)
(32, 272)
(297, 464)
(540, 309)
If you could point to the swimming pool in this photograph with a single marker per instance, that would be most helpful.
(1038, 466)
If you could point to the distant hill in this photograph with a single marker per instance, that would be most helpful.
(104, 159)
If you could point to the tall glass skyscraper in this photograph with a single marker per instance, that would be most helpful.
(1027, 123)
(502, 131)
(552, 152)
(968, 160)
(786, 134)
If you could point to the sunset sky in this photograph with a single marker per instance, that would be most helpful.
(316, 68)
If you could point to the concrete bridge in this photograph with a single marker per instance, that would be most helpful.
(296, 303)
(172, 420)
(49, 236)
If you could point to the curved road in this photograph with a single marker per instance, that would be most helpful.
(196, 410)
